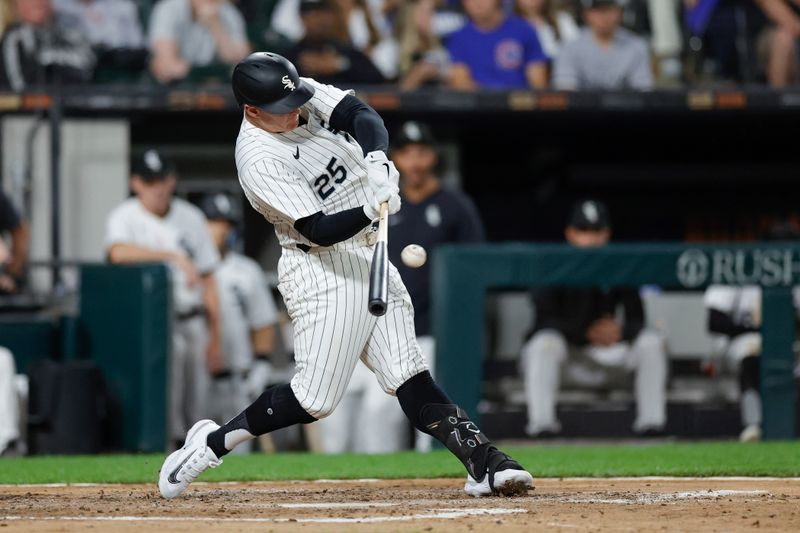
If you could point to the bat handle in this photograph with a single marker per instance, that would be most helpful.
(383, 222)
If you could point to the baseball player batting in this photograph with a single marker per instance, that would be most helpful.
(312, 160)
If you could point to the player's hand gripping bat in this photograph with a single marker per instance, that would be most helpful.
(379, 272)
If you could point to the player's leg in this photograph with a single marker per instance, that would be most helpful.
(9, 405)
(337, 430)
(177, 384)
(424, 441)
(649, 359)
(197, 378)
(396, 359)
(542, 358)
(743, 355)
(331, 325)
(377, 405)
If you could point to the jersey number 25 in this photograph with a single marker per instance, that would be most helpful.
(324, 180)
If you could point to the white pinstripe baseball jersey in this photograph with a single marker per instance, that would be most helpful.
(288, 176)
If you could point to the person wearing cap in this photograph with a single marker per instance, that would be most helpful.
(432, 215)
(312, 159)
(605, 56)
(592, 338)
(154, 226)
(194, 33)
(247, 315)
(323, 55)
(495, 51)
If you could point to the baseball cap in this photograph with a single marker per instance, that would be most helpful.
(589, 4)
(220, 206)
(152, 165)
(589, 215)
(413, 132)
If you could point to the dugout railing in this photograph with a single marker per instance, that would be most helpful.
(462, 275)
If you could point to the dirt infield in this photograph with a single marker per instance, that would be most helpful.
(647, 504)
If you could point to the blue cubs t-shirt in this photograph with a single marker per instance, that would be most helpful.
(497, 59)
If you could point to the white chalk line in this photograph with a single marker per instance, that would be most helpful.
(340, 505)
(441, 514)
(373, 480)
(651, 498)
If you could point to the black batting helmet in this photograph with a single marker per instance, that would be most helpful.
(270, 82)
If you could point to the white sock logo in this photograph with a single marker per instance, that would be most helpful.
(287, 83)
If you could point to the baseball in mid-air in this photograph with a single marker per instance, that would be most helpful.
(413, 256)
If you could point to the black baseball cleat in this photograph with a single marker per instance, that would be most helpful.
(503, 476)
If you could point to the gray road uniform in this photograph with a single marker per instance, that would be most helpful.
(182, 230)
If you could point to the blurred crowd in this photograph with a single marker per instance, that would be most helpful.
(461, 44)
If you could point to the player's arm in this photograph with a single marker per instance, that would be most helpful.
(123, 253)
(550, 315)
(211, 303)
(366, 126)
(722, 323)
(263, 340)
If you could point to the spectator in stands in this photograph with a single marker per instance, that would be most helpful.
(36, 50)
(423, 59)
(553, 26)
(9, 403)
(362, 24)
(154, 226)
(605, 56)
(724, 31)
(592, 338)
(780, 41)
(13, 261)
(432, 215)
(194, 33)
(113, 29)
(107, 24)
(325, 57)
(247, 316)
(495, 51)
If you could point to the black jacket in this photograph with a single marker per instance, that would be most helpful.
(571, 311)
(37, 55)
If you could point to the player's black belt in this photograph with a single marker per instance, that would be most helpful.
(192, 313)
(303, 247)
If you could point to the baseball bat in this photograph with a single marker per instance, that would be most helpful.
(379, 271)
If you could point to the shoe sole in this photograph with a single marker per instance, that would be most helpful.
(512, 482)
(506, 483)
(174, 459)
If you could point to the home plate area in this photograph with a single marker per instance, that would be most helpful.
(613, 504)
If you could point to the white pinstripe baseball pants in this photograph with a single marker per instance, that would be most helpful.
(325, 292)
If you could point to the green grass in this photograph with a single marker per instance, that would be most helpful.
(674, 459)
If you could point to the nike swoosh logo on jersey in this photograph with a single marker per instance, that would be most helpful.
(172, 476)
(297, 153)
(388, 171)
